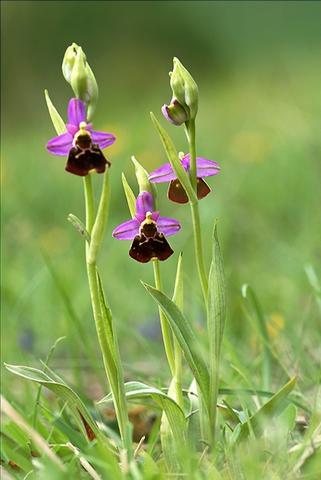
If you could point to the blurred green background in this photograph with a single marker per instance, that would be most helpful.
(258, 68)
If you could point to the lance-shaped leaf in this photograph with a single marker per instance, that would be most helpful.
(216, 311)
(272, 408)
(56, 119)
(186, 337)
(57, 385)
(130, 197)
(174, 160)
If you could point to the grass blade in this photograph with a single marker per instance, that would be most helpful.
(272, 408)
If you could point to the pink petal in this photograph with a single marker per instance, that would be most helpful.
(168, 226)
(127, 230)
(76, 112)
(60, 145)
(102, 139)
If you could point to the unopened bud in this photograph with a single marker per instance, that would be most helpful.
(78, 73)
(184, 88)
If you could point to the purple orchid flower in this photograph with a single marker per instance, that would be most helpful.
(81, 143)
(147, 230)
(176, 192)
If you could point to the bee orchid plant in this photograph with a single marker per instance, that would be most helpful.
(148, 231)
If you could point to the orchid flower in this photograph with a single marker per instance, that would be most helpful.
(176, 192)
(81, 143)
(147, 230)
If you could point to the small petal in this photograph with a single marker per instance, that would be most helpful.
(202, 189)
(127, 230)
(102, 139)
(76, 112)
(144, 203)
(162, 174)
(168, 226)
(60, 145)
(206, 168)
(176, 192)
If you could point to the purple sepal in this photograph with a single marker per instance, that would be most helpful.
(127, 230)
(102, 139)
(76, 112)
(167, 226)
(165, 173)
(144, 204)
(60, 145)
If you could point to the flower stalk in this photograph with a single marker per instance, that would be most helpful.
(95, 228)
(199, 256)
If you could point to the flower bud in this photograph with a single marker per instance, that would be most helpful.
(143, 179)
(78, 73)
(175, 113)
(184, 88)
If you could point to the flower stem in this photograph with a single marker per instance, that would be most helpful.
(166, 331)
(199, 256)
(115, 381)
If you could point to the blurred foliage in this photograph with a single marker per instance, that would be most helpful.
(258, 68)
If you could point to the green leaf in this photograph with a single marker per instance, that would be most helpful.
(56, 119)
(63, 391)
(216, 312)
(130, 197)
(113, 366)
(186, 337)
(174, 159)
(272, 408)
(175, 415)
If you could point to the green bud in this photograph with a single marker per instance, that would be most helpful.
(79, 75)
(142, 178)
(184, 88)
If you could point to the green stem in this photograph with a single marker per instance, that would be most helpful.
(199, 256)
(93, 227)
(166, 331)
